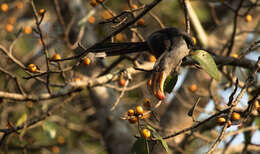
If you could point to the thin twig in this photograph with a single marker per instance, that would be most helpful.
(157, 19)
(15, 78)
(232, 40)
(74, 86)
(228, 143)
(219, 139)
(137, 85)
(34, 120)
(196, 125)
(232, 104)
(120, 96)
(21, 65)
(187, 18)
(38, 23)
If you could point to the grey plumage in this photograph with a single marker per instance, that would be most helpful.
(169, 45)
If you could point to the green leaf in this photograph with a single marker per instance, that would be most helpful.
(247, 136)
(164, 144)
(151, 128)
(140, 146)
(170, 83)
(158, 137)
(257, 121)
(50, 128)
(207, 63)
(21, 120)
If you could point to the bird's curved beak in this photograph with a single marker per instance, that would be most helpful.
(158, 80)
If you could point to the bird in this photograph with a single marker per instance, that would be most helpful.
(156, 43)
(168, 45)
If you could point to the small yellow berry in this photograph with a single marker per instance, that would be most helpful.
(249, 18)
(131, 112)
(134, 6)
(91, 20)
(9, 28)
(256, 103)
(121, 82)
(119, 37)
(106, 15)
(235, 55)
(4, 7)
(60, 140)
(229, 123)
(139, 110)
(86, 61)
(194, 40)
(32, 68)
(147, 103)
(149, 82)
(183, 21)
(93, 3)
(193, 87)
(28, 30)
(152, 58)
(76, 79)
(42, 11)
(55, 149)
(146, 133)
(221, 120)
(56, 56)
(236, 116)
(140, 22)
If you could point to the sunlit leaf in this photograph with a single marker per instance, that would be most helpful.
(158, 137)
(151, 128)
(247, 136)
(257, 121)
(49, 127)
(140, 146)
(22, 119)
(207, 63)
(164, 144)
(170, 83)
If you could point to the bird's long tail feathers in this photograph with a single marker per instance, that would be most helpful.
(113, 49)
